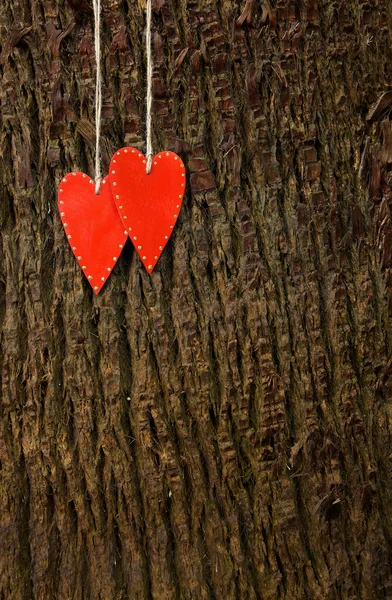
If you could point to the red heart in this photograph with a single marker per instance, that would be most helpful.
(148, 205)
(92, 226)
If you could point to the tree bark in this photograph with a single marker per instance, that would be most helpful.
(220, 429)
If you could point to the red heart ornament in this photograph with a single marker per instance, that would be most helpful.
(148, 205)
(92, 226)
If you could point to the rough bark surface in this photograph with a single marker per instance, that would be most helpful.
(222, 428)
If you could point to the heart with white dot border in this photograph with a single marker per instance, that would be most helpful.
(92, 226)
(148, 205)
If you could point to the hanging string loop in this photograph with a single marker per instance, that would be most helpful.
(98, 93)
(149, 154)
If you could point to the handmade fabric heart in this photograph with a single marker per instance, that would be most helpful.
(91, 223)
(148, 205)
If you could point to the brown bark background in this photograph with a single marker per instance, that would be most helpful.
(220, 429)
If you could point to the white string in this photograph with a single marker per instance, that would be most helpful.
(98, 93)
(149, 87)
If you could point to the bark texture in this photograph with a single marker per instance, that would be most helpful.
(221, 429)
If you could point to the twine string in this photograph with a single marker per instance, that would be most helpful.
(98, 92)
(149, 88)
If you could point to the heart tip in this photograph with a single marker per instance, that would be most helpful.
(149, 271)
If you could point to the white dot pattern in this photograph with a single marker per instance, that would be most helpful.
(63, 203)
(127, 206)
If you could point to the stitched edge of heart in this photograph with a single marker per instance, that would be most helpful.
(61, 206)
(117, 200)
